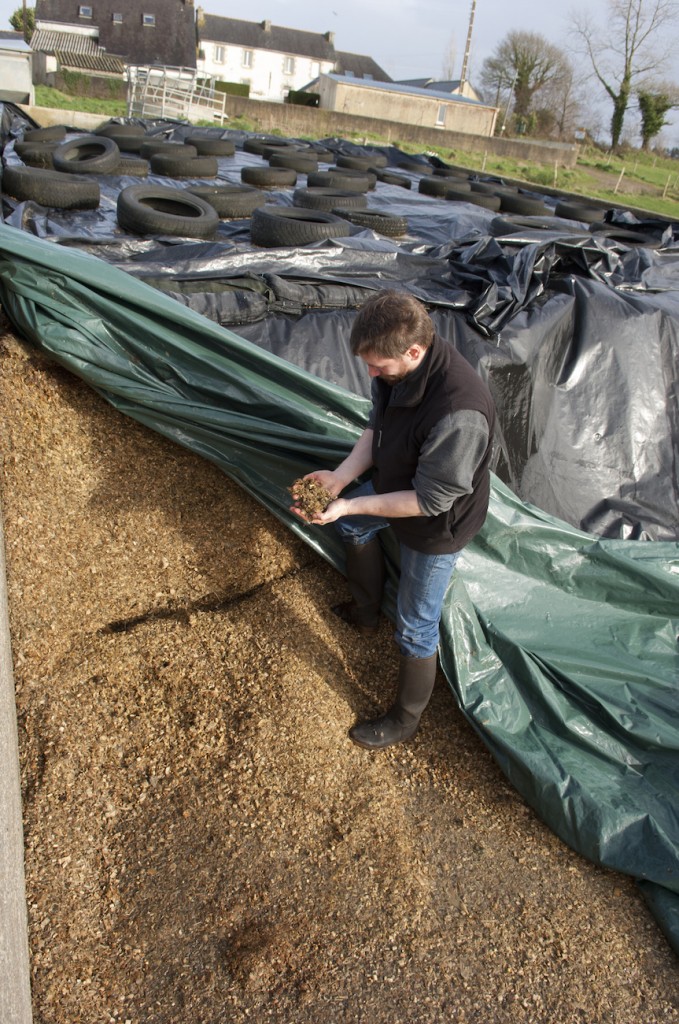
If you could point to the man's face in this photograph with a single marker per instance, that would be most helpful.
(391, 371)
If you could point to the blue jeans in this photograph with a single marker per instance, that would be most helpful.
(422, 584)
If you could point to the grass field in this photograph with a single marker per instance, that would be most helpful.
(642, 180)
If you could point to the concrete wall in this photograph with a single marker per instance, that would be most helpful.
(104, 87)
(16, 76)
(407, 108)
(47, 116)
(303, 122)
(319, 124)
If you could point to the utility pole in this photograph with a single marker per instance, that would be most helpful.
(468, 46)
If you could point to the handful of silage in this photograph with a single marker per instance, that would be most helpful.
(310, 497)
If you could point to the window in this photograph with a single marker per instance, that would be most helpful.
(84, 12)
(441, 116)
(117, 19)
(289, 66)
(315, 69)
(247, 58)
(219, 55)
(148, 20)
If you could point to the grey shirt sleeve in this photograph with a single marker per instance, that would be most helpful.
(448, 460)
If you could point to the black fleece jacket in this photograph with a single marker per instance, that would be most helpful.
(405, 418)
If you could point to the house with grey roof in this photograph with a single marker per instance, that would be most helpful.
(56, 50)
(271, 59)
(454, 86)
(355, 65)
(405, 104)
(156, 32)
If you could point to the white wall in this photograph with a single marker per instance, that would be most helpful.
(267, 75)
(16, 77)
(408, 108)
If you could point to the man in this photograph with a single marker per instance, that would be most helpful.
(428, 444)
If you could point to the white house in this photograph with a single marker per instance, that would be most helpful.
(270, 59)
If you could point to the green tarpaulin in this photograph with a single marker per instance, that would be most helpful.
(560, 648)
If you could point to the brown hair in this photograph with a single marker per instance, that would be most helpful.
(389, 323)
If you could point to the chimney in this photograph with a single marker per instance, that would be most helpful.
(330, 37)
(266, 25)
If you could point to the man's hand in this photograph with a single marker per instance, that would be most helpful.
(331, 484)
(335, 510)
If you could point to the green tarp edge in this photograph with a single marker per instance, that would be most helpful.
(561, 649)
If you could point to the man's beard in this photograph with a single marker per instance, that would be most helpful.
(393, 378)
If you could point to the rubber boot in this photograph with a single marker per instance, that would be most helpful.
(415, 684)
(365, 577)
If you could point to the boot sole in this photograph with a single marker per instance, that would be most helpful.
(381, 746)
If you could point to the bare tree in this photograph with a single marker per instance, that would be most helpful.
(565, 100)
(629, 47)
(522, 66)
(449, 59)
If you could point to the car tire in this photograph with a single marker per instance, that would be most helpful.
(114, 131)
(413, 166)
(257, 145)
(328, 198)
(336, 179)
(355, 163)
(133, 167)
(383, 223)
(128, 143)
(512, 202)
(171, 166)
(52, 133)
(156, 210)
(476, 198)
(298, 161)
(230, 201)
(150, 147)
(51, 188)
(88, 154)
(211, 147)
(268, 177)
(36, 154)
(389, 178)
(448, 172)
(578, 211)
(436, 186)
(274, 226)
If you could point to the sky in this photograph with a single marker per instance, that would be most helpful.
(413, 38)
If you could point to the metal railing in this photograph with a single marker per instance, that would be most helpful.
(173, 92)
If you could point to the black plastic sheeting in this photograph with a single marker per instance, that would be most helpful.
(559, 635)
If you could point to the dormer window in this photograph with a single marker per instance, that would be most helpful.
(84, 12)
(148, 20)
